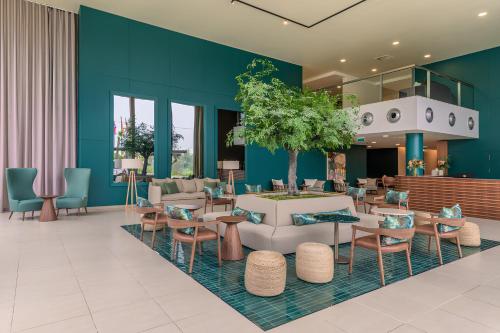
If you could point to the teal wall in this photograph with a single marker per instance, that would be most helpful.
(117, 54)
(414, 150)
(480, 157)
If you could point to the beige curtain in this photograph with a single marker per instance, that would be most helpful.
(198, 142)
(37, 93)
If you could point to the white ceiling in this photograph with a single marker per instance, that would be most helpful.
(443, 28)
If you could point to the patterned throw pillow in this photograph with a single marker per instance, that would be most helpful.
(142, 202)
(454, 212)
(254, 217)
(394, 197)
(341, 215)
(253, 188)
(180, 214)
(396, 222)
(215, 193)
(356, 192)
(304, 219)
(171, 188)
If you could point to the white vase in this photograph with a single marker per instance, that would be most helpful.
(441, 172)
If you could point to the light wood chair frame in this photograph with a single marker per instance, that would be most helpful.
(380, 202)
(160, 218)
(434, 220)
(406, 234)
(209, 200)
(175, 225)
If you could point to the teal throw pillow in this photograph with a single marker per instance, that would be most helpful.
(215, 193)
(454, 212)
(340, 215)
(304, 219)
(208, 184)
(396, 222)
(253, 217)
(142, 202)
(394, 197)
(356, 192)
(253, 188)
(171, 188)
(180, 214)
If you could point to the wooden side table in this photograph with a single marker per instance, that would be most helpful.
(48, 212)
(231, 245)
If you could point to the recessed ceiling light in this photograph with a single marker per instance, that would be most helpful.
(396, 42)
(343, 60)
(425, 146)
(338, 87)
(374, 142)
(427, 56)
(385, 135)
(285, 22)
(482, 14)
(398, 144)
(374, 69)
(368, 146)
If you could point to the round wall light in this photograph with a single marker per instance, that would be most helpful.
(429, 115)
(452, 119)
(393, 115)
(470, 123)
(367, 118)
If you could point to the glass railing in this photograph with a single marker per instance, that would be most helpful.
(411, 81)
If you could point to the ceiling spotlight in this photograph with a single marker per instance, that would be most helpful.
(396, 42)
(339, 87)
(425, 146)
(385, 135)
(343, 60)
(374, 70)
(368, 146)
(398, 144)
(427, 56)
(285, 22)
(374, 142)
(482, 14)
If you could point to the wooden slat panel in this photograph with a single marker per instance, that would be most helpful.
(477, 197)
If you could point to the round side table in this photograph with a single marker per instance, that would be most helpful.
(48, 212)
(390, 211)
(231, 245)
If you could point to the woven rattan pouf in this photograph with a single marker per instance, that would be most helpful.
(149, 227)
(419, 215)
(265, 273)
(469, 235)
(314, 262)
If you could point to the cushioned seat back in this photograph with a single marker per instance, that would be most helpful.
(285, 208)
(259, 205)
(20, 183)
(77, 182)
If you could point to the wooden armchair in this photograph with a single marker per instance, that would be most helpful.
(210, 200)
(379, 201)
(388, 182)
(372, 242)
(199, 236)
(153, 216)
(431, 230)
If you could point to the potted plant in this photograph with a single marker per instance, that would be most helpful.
(280, 116)
(414, 165)
(443, 165)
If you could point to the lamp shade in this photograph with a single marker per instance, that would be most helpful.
(230, 165)
(131, 163)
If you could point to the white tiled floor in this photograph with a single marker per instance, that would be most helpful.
(85, 274)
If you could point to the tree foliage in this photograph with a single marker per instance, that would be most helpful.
(282, 116)
(139, 139)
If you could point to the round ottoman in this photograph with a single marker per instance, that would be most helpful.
(469, 235)
(265, 273)
(314, 262)
(149, 227)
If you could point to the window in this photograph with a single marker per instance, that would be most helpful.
(187, 141)
(133, 136)
(232, 157)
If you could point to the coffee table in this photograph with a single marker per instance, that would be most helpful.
(231, 245)
(390, 211)
(48, 212)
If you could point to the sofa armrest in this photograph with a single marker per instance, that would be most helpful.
(154, 194)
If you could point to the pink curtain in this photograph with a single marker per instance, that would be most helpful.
(37, 93)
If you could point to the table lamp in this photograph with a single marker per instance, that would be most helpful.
(231, 165)
(131, 164)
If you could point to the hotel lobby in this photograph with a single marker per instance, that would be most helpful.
(251, 166)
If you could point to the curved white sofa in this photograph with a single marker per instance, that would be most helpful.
(278, 233)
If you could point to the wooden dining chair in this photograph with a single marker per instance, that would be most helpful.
(432, 230)
(210, 200)
(372, 242)
(380, 201)
(200, 235)
(152, 216)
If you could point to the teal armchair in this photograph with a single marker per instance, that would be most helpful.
(22, 198)
(77, 190)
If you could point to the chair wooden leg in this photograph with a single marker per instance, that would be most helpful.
(351, 256)
(32, 214)
(429, 244)
(86, 212)
(67, 211)
(438, 249)
(380, 262)
(11, 213)
(459, 247)
(23, 215)
(142, 232)
(193, 253)
(408, 260)
(153, 238)
(57, 212)
(173, 251)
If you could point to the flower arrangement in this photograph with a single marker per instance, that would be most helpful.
(415, 165)
(443, 164)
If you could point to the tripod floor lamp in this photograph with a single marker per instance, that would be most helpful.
(131, 165)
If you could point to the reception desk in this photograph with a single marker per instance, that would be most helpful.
(477, 197)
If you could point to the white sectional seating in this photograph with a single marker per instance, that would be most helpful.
(277, 231)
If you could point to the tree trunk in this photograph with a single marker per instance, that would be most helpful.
(145, 166)
(292, 172)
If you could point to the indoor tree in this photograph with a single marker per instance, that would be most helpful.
(139, 139)
(281, 116)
